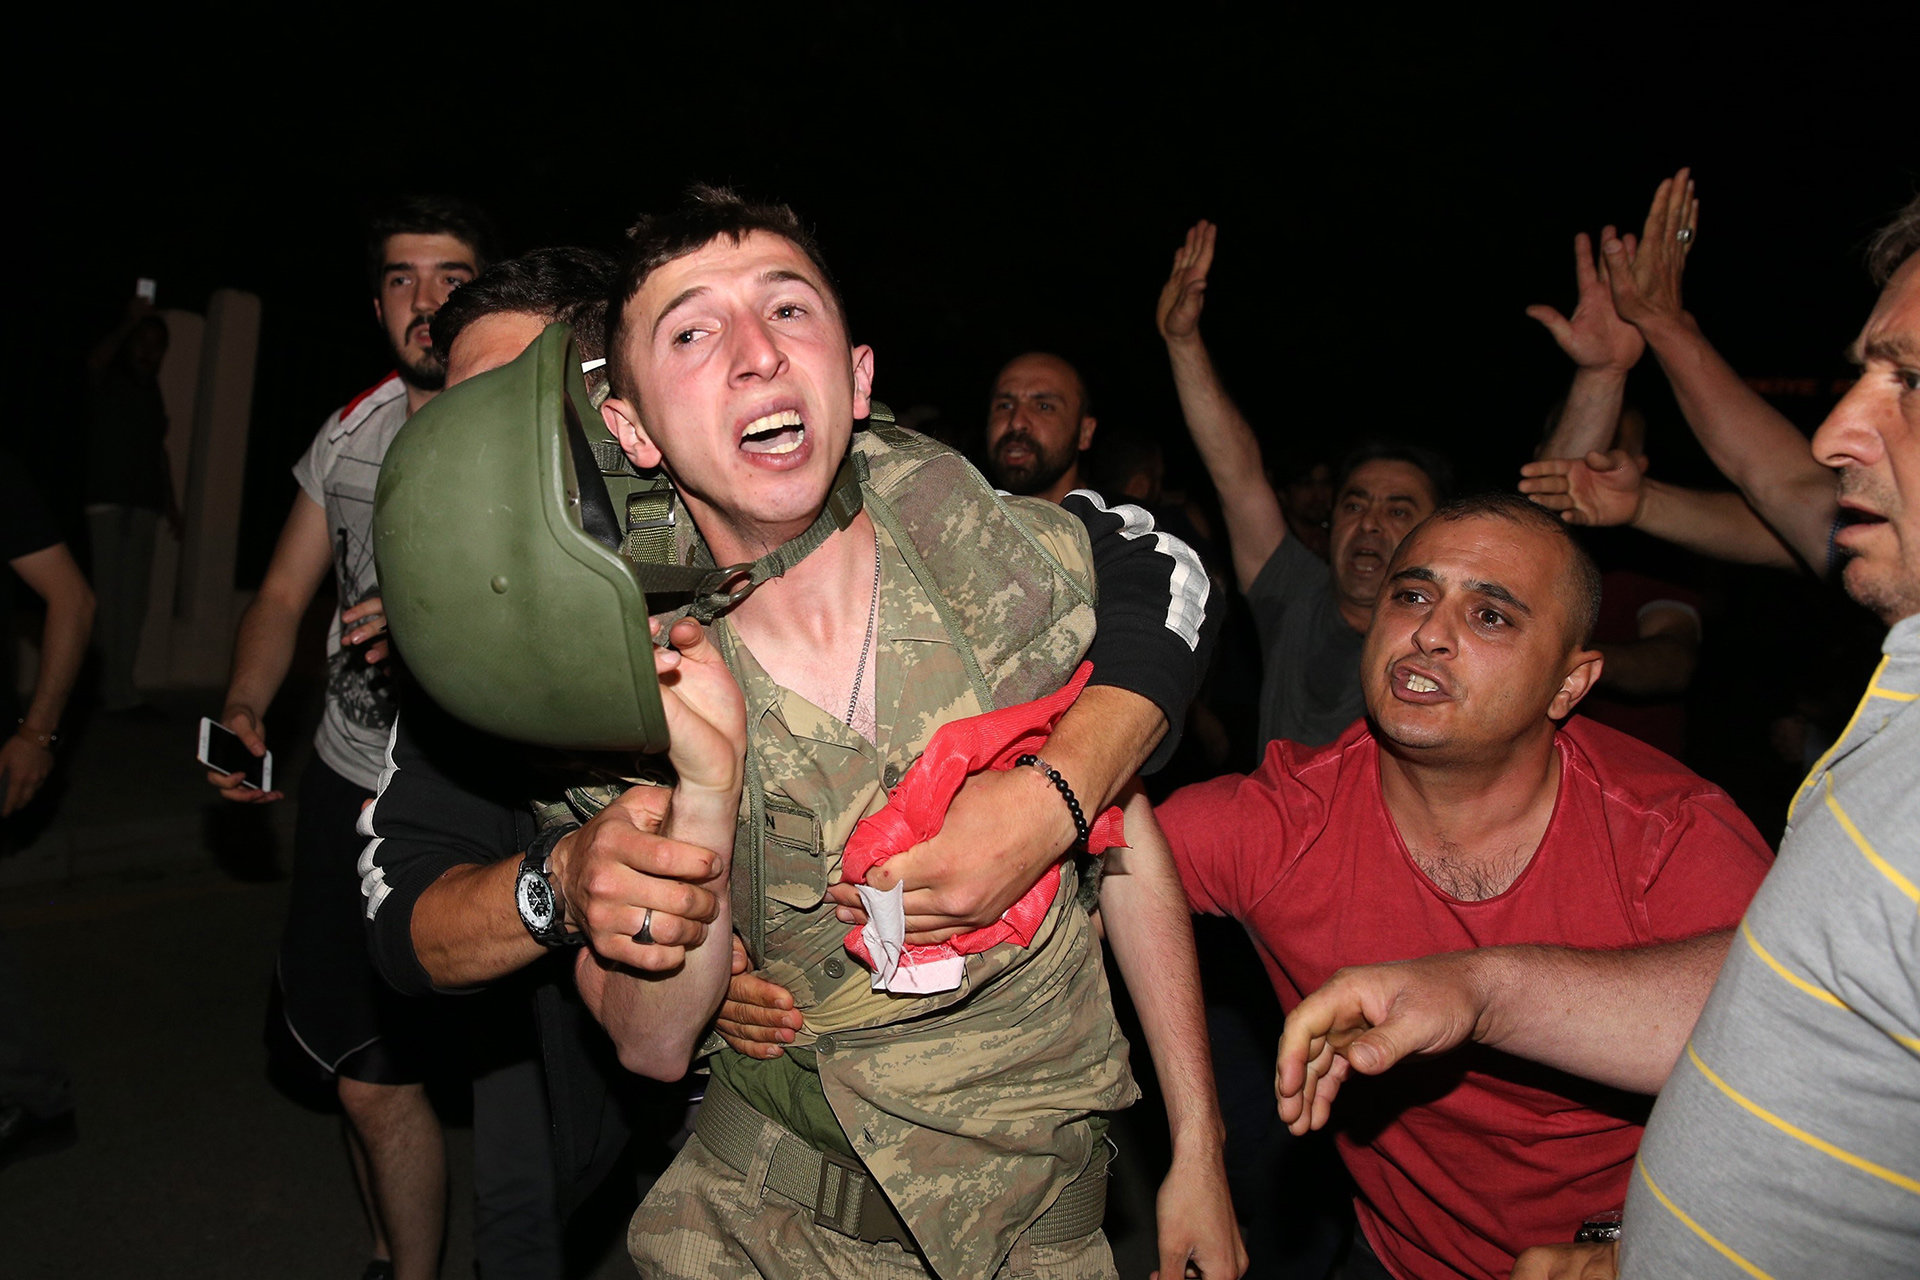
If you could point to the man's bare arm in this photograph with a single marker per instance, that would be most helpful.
(1006, 827)
(263, 649)
(1150, 928)
(1619, 1018)
(1603, 347)
(1613, 489)
(656, 1018)
(52, 574)
(1764, 455)
(1255, 523)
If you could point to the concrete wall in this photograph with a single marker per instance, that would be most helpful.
(208, 387)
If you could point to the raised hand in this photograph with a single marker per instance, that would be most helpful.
(1644, 274)
(1181, 298)
(642, 879)
(1595, 337)
(1599, 489)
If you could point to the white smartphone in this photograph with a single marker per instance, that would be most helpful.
(145, 288)
(222, 751)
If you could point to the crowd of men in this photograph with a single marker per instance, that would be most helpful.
(859, 850)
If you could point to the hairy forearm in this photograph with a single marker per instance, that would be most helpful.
(1718, 524)
(466, 928)
(1752, 443)
(1149, 926)
(1231, 453)
(1619, 1018)
(1590, 416)
(1101, 742)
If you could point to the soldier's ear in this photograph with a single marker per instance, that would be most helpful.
(862, 382)
(623, 419)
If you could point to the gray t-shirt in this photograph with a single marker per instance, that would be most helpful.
(1787, 1140)
(1309, 656)
(339, 471)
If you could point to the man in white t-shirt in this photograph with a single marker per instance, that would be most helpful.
(336, 1006)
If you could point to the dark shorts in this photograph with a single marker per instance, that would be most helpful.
(337, 1006)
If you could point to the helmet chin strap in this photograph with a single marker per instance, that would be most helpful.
(715, 590)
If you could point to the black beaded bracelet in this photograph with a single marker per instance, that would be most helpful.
(1066, 792)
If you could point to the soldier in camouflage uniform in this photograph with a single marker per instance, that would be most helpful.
(973, 1110)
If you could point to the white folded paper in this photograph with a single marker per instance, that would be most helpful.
(918, 971)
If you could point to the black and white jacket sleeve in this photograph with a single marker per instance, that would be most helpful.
(445, 800)
(1156, 619)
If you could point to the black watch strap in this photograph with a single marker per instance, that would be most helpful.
(533, 881)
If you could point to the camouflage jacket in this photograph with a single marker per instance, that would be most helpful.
(971, 1108)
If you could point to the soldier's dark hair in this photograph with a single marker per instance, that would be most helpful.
(1430, 462)
(428, 216)
(1582, 591)
(704, 214)
(1894, 243)
(567, 284)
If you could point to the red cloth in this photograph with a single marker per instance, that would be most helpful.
(1462, 1161)
(917, 809)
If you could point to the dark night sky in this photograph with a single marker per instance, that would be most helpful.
(1391, 193)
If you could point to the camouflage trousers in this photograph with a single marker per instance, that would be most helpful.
(703, 1221)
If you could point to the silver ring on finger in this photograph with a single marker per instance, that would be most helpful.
(1684, 235)
(645, 936)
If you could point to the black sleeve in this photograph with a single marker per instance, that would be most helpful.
(1156, 619)
(440, 806)
(26, 526)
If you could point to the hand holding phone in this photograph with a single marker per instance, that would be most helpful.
(240, 774)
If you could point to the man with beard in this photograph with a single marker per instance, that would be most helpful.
(1039, 422)
(341, 1013)
(1311, 616)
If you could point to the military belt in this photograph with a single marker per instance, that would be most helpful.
(843, 1195)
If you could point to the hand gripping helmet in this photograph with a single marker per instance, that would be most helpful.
(495, 540)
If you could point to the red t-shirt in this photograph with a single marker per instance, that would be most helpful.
(1463, 1160)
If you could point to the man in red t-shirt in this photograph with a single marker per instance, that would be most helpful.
(1459, 816)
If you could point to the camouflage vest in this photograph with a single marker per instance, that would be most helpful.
(974, 1107)
(1008, 604)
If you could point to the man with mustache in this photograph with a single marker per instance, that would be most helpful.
(337, 1008)
(1310, 615)
(1784, 1139)
(1468, 813)
(1039, 421)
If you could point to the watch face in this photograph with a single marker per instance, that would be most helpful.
(536, 900)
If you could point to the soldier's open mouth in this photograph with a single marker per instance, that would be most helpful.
(777, 433)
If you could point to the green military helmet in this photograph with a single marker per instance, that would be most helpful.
(495, 541)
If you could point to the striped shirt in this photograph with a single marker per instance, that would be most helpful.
(1787, 1141)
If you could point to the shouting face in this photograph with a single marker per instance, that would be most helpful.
(743, 386)
(1472, 651)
